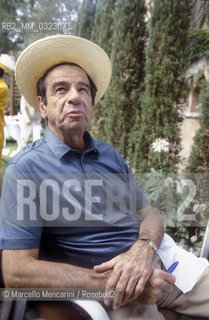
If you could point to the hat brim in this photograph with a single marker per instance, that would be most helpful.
(46, 52)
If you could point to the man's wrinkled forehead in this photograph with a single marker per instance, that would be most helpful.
(48, 71)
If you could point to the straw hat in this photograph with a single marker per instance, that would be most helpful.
(46, 52)
(7, 63)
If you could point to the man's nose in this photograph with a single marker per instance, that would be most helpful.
(73, 96)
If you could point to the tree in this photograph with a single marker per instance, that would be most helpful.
(49, 17)
(33, 19)
(198, 44)
(165, 82)
(9, 38)
(122, 102)
(198, 161)
(103, 25)
(102, 34)
(86, 19)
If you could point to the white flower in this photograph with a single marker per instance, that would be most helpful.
(160, 145)
(193, 239)
(197, 208)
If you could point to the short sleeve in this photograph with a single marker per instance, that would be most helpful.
(18, 227)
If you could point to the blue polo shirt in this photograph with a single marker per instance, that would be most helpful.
(76, 208)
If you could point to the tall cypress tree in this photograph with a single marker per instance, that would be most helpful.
(165, 83)
(122, 101)
(102, 31)
(102, 34)
(85, 21)
(199, 157)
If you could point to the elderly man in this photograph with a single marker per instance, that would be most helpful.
(73, 215)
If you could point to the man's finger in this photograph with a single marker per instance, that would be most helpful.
(130, 288)
(141, 283)
(111, 284)
(105, 266)
(120, 290)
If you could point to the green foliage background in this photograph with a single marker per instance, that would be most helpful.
(148, 88)
(164, 83)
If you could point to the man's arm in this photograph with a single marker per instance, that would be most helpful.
(132, 269)
(22, 269)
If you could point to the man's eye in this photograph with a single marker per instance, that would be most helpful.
(60, 89)
(84, 89)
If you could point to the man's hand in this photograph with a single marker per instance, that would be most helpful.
(130, 272)
(132, 269)
(159, 284)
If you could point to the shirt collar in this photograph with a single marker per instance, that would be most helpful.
(60, 149)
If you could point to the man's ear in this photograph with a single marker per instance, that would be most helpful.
(42, 107)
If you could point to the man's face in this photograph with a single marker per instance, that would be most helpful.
(69, 107)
